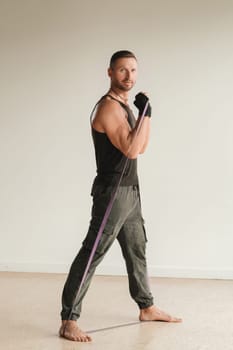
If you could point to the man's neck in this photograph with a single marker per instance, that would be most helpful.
(119, 94)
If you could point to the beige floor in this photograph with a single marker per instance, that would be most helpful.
(30, 305)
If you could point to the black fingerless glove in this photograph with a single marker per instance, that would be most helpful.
(140, 102)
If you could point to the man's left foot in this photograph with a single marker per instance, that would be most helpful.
(153, 313)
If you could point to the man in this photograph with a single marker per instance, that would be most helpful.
(116, 138)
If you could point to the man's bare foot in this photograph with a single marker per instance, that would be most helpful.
(153, 313)
(71, 331)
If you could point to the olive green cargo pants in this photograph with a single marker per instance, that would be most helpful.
(125, 223)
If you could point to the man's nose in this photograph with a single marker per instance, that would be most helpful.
(128, 75)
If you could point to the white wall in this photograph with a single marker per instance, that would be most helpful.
(54, 56)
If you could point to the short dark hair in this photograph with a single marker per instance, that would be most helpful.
(121, 54)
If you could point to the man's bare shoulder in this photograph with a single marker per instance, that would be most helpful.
(108, 112)
(109, 106)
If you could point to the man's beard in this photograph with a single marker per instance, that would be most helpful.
(122, 87)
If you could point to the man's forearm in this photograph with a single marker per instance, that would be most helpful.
(139, 138)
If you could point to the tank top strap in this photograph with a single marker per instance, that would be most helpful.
(131, 118)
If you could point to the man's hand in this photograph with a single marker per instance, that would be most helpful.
(140, 102)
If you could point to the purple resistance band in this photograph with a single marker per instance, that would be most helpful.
(105, 218)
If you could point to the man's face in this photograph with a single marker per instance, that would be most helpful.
(123, 74)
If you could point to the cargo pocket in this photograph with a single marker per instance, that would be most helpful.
(106, 239)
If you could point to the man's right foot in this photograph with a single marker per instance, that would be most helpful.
(70, 330)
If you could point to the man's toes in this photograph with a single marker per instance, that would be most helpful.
(85, 339)
(175, 319)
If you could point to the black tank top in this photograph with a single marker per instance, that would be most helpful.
(110, 161)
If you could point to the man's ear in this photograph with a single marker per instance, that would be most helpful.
(110, 72)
